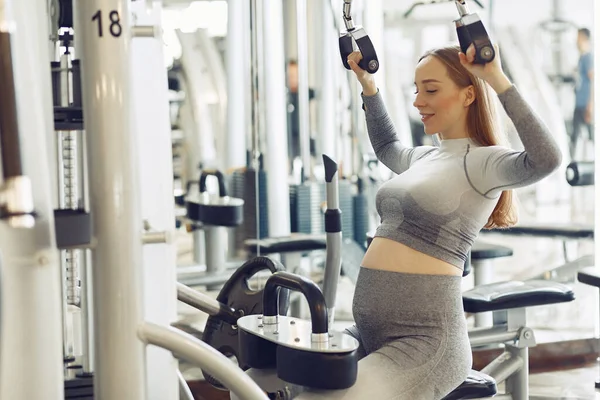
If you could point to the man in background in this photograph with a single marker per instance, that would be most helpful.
(293, 115)
(584, 93)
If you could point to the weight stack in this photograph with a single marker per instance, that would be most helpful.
(361, 216)
(310, 196)
(243, 186)
(293, 210)
(347, 208)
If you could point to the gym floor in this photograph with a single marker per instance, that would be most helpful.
(575, 320)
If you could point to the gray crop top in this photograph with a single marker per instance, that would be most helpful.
(443, 196)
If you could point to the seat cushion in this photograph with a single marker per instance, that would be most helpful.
(568, 231)
(590, 276)
(297, 242)
(477, 385)
(515, 294)
(483, 251)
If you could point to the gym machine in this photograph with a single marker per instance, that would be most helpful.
(31, 362)
(582, 174)
(357, 34)
(209, 215)
(469, 29)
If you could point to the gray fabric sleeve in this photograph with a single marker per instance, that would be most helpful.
(384, 138)
(493, 169)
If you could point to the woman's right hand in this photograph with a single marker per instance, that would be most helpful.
(364, 78)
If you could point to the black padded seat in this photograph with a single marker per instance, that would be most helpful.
(297, 242)
(476, 386)
(589, 276)
(515, 294)
(484, 251)
(80, 388)
(566, 231)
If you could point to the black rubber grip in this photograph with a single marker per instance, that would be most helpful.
(310, 290)
(333, 220)
(346, 49)
(369, 61)
(220, 178)
(9, 124)
(464, 39)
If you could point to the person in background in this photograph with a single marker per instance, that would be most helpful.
(293, 115)
(584, 93)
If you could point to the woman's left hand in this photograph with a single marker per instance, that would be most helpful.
(490, 72)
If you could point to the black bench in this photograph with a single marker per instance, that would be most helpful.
(509, 300)
(590, 276)
(477, 385)
(550, 230)
(515, 294)
(295, 243)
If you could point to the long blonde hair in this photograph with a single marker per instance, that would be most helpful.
(481, 125)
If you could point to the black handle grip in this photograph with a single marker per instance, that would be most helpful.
(312, 293)
(581, 173)
(238, 282)
(474, 33)
(369, 61)
(464, 39)
(220, 178)
(345, 49)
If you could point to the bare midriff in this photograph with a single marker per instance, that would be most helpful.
(389, 255)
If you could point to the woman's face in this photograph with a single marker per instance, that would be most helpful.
(442, 104)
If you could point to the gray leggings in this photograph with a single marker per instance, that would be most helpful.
(413, 335)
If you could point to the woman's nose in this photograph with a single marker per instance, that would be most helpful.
(418, 102)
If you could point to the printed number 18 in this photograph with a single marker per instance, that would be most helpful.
(115, 23)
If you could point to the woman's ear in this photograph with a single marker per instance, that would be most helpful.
(470, 95)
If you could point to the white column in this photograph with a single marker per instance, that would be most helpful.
(374, 24)
(30, 327)
(596, 34)
(276, 162)
(303, 111)
(103, 27)
(328, 66)
(237, 86)
(152, 126)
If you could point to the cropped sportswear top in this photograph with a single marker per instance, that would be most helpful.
(443, 196)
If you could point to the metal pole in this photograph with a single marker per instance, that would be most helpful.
(202, 355)
(303, 100)
(276, 123)
(236, 87)
(152, 127)
(256, 101)
(103, 28)
(327, 132)
(216, 246)
(184, 390)
(31, 365)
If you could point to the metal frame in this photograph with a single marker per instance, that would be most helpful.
(104, 30)
(31, 365)
(483, 273)
(512, 366)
